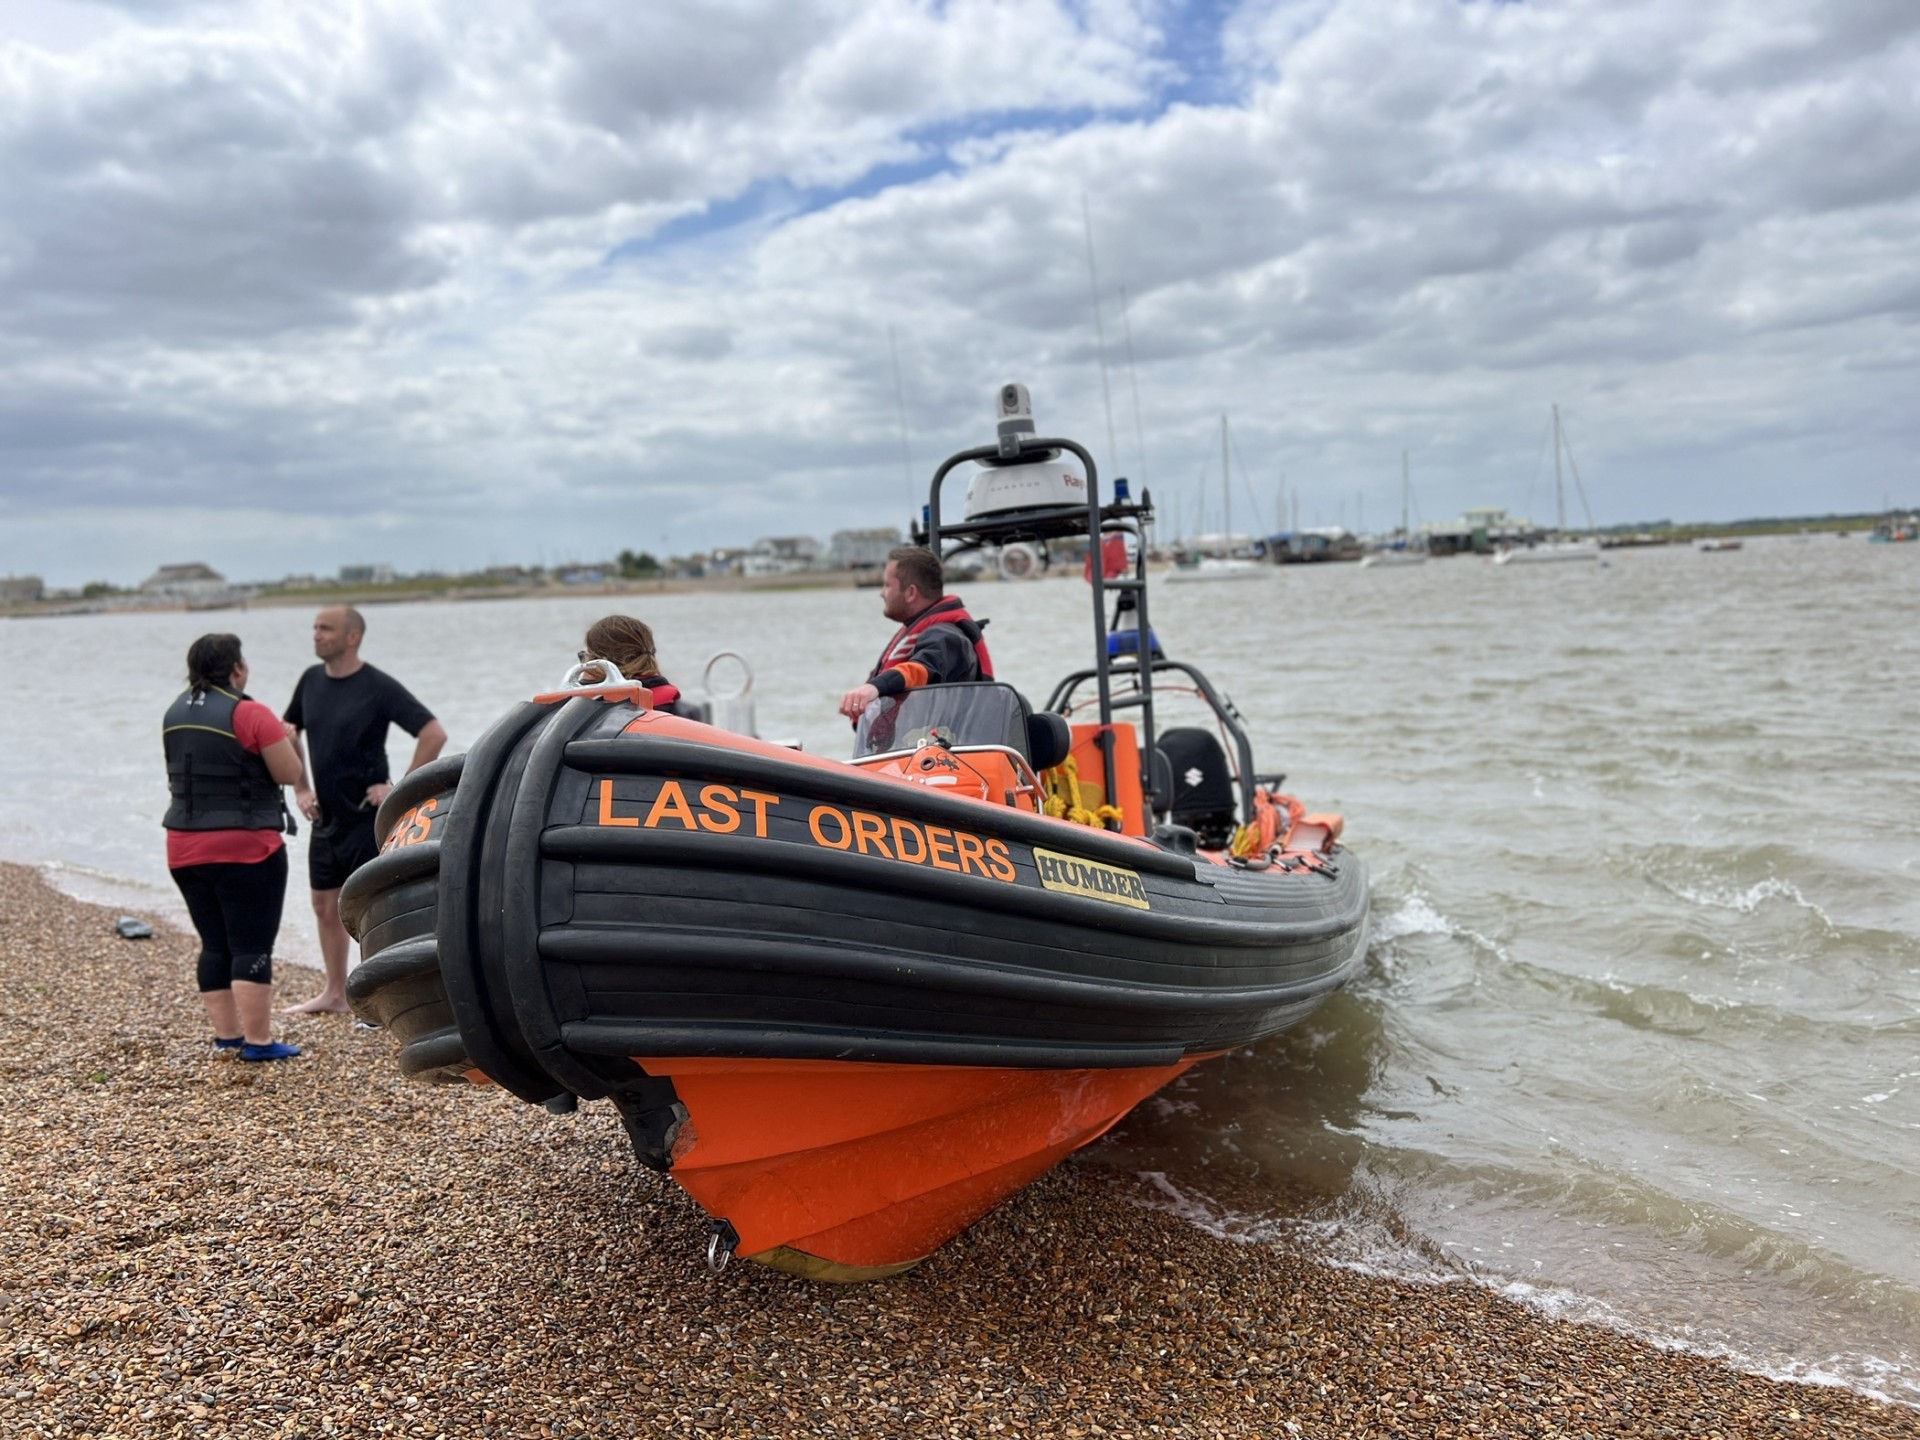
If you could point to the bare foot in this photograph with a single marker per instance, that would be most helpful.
(319, 1005)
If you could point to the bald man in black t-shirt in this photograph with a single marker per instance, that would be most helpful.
(342, 707)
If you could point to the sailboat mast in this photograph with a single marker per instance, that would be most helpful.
(1559, 492)
(1139, 434)
(1100, 335)
(1404, 492)
(1226, 487)
(900, 404)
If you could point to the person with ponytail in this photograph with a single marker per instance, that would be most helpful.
(227, 758)
(628, 644)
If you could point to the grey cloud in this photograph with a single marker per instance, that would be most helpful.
(1658, 243)
(374, 289)
(669, 64)
(692, 342)
(192, 199)
(1801, 45)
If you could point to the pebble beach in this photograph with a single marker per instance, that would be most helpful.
(190, 1246)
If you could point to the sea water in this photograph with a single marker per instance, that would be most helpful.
(1638, 1036)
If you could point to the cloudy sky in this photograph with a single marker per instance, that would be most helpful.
(435, 284)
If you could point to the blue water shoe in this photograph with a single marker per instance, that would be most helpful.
(273, 1050)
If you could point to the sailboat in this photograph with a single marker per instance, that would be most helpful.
(1403, 551)
(1561, 547)
(1225, 567)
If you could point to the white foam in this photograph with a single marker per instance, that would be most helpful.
(1414, 917)
(97, 887)
(1342, 1244)
(1215, 1220)
(1893, 1381)
(1374, 1251)
(294, 946)
(1749, 900)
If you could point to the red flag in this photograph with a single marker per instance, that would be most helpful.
(1113, 558)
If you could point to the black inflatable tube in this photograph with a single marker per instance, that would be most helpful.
(659, 755)
(440, 1053)
(381, 874)
(474, 1011)
(533, 1004)
(825, 960)
(432, 778)
(505, 1013)
(409, 960)
(594, 843)
(609, 1038)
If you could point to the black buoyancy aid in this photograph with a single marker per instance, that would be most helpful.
(942, 612)
(215, 781)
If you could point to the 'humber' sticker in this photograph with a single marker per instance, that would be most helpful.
(1090, 878)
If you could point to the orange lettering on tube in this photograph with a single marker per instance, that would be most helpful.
(1002, 858)
(940, 842)
(823, 812)
(724, 819)
(761, 802)
(971, 851)
(670, 804)
(869, 829)
(904, 830)
(413, 827)
(607, 817)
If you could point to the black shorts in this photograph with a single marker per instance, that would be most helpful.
(337, 849)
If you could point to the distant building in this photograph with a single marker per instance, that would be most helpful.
(193, 581)
(861, 549)
(1314, 544)
(1219, 544)
(724, 560)
(780, 555)
(15, 588)
(366, 575)
(1479, 531)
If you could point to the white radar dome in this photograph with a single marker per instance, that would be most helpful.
(995, 490)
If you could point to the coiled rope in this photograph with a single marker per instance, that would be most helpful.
(1063, 798)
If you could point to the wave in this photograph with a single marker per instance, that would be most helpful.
(1358, 1235)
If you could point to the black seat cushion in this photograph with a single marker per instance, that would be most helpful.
(1049, 739)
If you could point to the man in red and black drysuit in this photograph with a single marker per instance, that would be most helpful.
(938, 643)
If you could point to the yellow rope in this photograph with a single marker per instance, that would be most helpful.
(1063, 797)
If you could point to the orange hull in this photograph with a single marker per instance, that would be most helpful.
(869, 1167)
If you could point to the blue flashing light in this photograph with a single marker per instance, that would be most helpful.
(1127, 642)
(1120, 490)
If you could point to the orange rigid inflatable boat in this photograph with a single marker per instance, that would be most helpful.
(849, 1006)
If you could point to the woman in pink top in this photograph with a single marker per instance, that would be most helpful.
(227, 758)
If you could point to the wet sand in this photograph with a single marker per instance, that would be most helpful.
(192, 1246)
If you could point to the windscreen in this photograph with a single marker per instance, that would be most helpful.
(972, 714)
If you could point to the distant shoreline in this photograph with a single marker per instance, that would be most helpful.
(402, 594)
